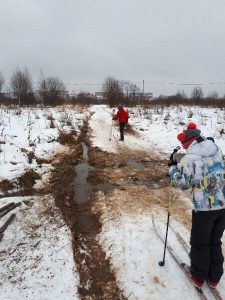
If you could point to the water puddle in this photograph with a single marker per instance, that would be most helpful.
(83, 188)
(136, 165)
(104, 187)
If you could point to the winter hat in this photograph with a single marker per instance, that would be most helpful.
(189, 135)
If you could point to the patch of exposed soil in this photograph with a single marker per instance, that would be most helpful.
(67, 138)
(27, 180)
(6, 185)
(141, 184)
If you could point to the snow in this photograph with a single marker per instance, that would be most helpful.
(102, 125)
(156, 127)
(129, 239)
(160, 126)
(32, 130)
(35, 253)
(135, 250)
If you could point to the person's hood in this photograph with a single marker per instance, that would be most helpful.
(205, 148)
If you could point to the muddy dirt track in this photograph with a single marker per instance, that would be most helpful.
(85, 180)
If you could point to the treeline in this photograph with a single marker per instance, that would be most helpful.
(196, 98)
(52, 91)
(127, 93)
(20, 91)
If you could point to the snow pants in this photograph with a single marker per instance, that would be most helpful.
(206, 251)
(122, 125)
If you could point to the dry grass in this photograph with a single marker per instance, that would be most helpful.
(6, 185)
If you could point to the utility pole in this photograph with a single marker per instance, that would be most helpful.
(143, 87)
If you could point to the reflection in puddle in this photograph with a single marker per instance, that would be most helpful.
(136, 165)
(83, 188)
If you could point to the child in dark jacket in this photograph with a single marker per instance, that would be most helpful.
(202, 168)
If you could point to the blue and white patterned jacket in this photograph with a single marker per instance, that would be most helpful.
(202, 168)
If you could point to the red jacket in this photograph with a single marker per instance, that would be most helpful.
(121, 115)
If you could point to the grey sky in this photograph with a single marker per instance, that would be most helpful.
(83, 41)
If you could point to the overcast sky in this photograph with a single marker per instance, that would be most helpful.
(83, 41)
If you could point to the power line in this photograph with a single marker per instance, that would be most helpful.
(155, 83)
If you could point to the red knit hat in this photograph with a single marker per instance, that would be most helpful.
(191, 133)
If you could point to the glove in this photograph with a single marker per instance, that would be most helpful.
(173, 161)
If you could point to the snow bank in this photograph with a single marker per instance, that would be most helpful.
(35, 253)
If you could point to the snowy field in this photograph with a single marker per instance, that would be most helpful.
(129, 239)
(160, 126)
(29, 139)
(36, 257)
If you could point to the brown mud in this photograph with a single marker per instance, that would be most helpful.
(97, 281)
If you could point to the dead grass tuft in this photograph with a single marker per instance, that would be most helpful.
(6, 185)
(52, 124)
(67, 138)
(27, 180)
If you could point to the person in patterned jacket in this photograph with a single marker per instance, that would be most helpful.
(202, 169)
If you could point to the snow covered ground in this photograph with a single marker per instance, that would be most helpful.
(28, 136)
(36, 257)
(160, 125)
(128, 238)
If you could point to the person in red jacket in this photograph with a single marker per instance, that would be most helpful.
(122, 116)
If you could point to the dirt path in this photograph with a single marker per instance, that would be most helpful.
(87, 180)
(97, 280)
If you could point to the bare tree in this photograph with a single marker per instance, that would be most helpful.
(213, 95)
(21, 84)
(197, 94)
(2, 82)
(113, 90)
(131, 90)
(51, 90)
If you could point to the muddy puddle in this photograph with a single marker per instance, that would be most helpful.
(136, 165)
(83, 188)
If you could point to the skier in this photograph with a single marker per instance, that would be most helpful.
(122, 116)
(202, 168)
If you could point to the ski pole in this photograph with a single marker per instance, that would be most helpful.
(111, 131)
(162, 263)
(111, 127)
(173, 161)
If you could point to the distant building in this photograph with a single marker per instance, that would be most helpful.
(99, 95)
(64, 94)
(146, 96)
(9, 95)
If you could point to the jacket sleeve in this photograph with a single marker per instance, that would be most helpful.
(115, 117)
(182, 174)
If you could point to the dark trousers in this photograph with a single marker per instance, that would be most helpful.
(206, 252)
(122, 125)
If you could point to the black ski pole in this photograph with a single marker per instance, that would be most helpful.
(162, 263)
(111, 131)
(173, 161)
(111, 127)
